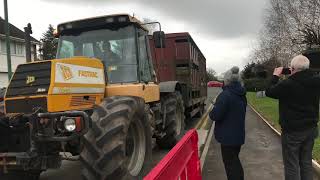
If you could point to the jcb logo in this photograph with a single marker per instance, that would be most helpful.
(30, 79)
(66, 72)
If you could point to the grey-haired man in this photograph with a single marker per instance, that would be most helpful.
(298, 98)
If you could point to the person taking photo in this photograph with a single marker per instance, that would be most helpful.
(298, 97)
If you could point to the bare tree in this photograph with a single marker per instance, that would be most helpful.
(290, 26)
(211, 74)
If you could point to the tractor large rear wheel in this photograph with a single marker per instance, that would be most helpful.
(173, 112)
(118, 146)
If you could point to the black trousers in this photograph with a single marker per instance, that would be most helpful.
(232, 164)
(297, 154)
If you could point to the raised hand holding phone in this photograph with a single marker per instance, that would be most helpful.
(286, 71)
(278, 71)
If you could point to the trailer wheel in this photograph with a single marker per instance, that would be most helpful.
(173, 111)
(201, 110)
(118, 146)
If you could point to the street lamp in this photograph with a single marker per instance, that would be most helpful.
(7, 39)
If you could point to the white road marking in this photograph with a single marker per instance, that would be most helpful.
(206, 147)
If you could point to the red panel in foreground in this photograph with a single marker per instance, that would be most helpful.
(181, 162)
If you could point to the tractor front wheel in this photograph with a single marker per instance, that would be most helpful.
(119, 144)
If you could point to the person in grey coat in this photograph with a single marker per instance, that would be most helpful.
(229, 115)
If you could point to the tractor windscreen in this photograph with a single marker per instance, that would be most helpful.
(115, 47)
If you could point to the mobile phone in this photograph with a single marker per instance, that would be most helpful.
(286, 71)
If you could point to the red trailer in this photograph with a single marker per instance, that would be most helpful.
(181, 62)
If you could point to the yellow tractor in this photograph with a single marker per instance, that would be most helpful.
(99, 99)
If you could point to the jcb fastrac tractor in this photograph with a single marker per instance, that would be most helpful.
(99, 98)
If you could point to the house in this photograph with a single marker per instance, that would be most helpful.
(17, 48)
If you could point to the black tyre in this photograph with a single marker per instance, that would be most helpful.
(20, 175)
(118, 146)
(172, 108)
(152, 123)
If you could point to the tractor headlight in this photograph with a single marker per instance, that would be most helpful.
(69, 26)
(70, 125)
(122, 19)
(110, 20)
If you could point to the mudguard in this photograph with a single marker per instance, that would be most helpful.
(169, 86)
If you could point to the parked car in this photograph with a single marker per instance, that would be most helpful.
(215, 84)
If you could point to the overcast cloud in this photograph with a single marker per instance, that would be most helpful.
(225, 30)
(218, 18)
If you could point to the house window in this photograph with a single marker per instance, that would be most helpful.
(19, 49)
(3, 48)
(16, 48)
(13, 48)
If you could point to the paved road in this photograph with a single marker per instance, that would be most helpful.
(212, 94)
(72, 170)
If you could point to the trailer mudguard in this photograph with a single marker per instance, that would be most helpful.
(169, 86)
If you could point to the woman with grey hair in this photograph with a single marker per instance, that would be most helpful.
(229, 115)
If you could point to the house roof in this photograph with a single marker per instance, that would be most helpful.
(14, 31)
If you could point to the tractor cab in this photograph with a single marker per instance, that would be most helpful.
(119, 41)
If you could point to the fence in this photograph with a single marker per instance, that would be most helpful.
(181, 162)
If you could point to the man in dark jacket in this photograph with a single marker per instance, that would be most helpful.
(299, 113)
(229, 115)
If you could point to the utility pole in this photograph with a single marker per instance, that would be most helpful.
(27, 32)
(7, 39)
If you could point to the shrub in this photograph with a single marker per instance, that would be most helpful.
(255, 84)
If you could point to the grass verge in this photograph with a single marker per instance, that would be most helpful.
(268, 108)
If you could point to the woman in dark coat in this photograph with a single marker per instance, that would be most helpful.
(229, 115)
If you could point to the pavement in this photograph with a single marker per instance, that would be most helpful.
(261, 155)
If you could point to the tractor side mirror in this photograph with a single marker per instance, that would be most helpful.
(159, 39)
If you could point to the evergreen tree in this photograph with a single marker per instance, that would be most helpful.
(49, 44)
(248, 71)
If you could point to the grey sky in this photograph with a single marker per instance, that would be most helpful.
(218, 18)
(225, 30)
